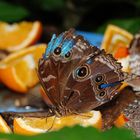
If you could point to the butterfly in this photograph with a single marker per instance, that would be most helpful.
(76, 76)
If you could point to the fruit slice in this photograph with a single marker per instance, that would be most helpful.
(30, 126)
(121, 121)
(121, 52)
(115, 38)
(116, 41)
(4, 128)
(19, 35)
(17, 71)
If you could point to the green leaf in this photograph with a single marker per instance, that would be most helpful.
(51, 4)
(77, 133)
(11, 13)
(131, 25)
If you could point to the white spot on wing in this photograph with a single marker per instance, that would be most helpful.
(47, 79)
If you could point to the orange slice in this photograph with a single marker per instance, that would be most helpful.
(19, 35)
(121, 121)
(17, 71)
(4, 128)
(31, 126)
(121, 52)
(115, 38)
(116, 42)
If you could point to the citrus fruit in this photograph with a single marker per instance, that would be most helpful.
(121, 121)
(116, 38)
(4, 128)
(18, 70)
(31, 126)
(19, 35)
(116, 42)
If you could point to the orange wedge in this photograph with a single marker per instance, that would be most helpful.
(116, 42)
(18, 70)
(31, 126)
(19, 35)
(115, 38)
(4, 128)
(121, 121)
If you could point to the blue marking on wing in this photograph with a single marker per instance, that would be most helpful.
(109, 84)
(57, 42)
(67, 46)
(50, 45)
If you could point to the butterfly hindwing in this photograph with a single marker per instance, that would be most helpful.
(87, 88)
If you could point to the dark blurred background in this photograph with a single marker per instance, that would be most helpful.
(87, 15)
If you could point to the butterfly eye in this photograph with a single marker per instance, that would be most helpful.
(102, 94)
(99, 78)
(57, 51)
(68, 55)
(82, 72)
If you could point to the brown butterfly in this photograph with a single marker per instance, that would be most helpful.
(76, 76)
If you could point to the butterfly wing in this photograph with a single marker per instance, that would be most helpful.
(48, 73)
(48, 81)
(69, 92)
(87, 93)
(54, 69)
